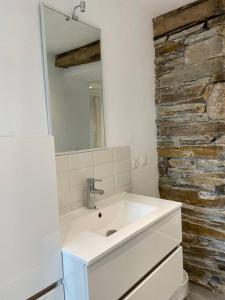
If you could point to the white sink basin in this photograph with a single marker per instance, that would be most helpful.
(89, 234)
(115, 217)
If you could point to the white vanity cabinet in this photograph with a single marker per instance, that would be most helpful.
(55, 294)
(146, 266)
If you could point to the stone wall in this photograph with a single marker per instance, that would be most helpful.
(190, 98)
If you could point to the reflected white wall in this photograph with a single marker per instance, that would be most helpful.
(70, 104)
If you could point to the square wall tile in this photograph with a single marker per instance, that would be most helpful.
(123, 180)
(104, 171)
(107, 184)
(64, 192)
(103, 156)
(122, 153)
(78, 177)
(64, 210)
(62, 163)
(127, 189)
(80, 160)
(123, 166)
(78, 197)
(113, 166)
(105, 196)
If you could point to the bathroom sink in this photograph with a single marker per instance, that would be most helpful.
(111, 219)
(89, 234)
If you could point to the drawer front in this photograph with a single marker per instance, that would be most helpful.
(163, 282)
(117, 272)
(55, 294)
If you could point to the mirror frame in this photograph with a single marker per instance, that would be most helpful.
(43, 5)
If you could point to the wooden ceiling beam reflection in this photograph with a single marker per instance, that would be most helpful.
(83, 55)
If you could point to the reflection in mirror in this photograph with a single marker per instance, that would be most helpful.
(73, 82)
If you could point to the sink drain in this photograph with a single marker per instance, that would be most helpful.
(110, 232)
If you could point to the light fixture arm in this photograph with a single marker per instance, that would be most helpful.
(82, 7)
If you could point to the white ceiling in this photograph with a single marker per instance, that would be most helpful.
(63, 35)
(159, 7)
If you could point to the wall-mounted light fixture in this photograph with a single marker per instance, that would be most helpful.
(82, 7)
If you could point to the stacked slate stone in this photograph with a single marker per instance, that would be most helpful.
(190, 99)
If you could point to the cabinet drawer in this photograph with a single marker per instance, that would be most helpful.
(55, 294)
(113, 275)
(163, 282)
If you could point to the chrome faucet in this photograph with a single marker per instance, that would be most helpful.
(91, 192)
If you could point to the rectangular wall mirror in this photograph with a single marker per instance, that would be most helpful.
(73, 78)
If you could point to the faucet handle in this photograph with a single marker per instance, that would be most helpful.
(91, 181)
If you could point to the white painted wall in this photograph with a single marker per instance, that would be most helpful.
(159, 7)
(70, 106)
(58, 104)
(127, 71)
(79, 113)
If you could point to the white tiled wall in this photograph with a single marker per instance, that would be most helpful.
(112, 166)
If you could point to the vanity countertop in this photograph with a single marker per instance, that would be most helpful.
(82, 230)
